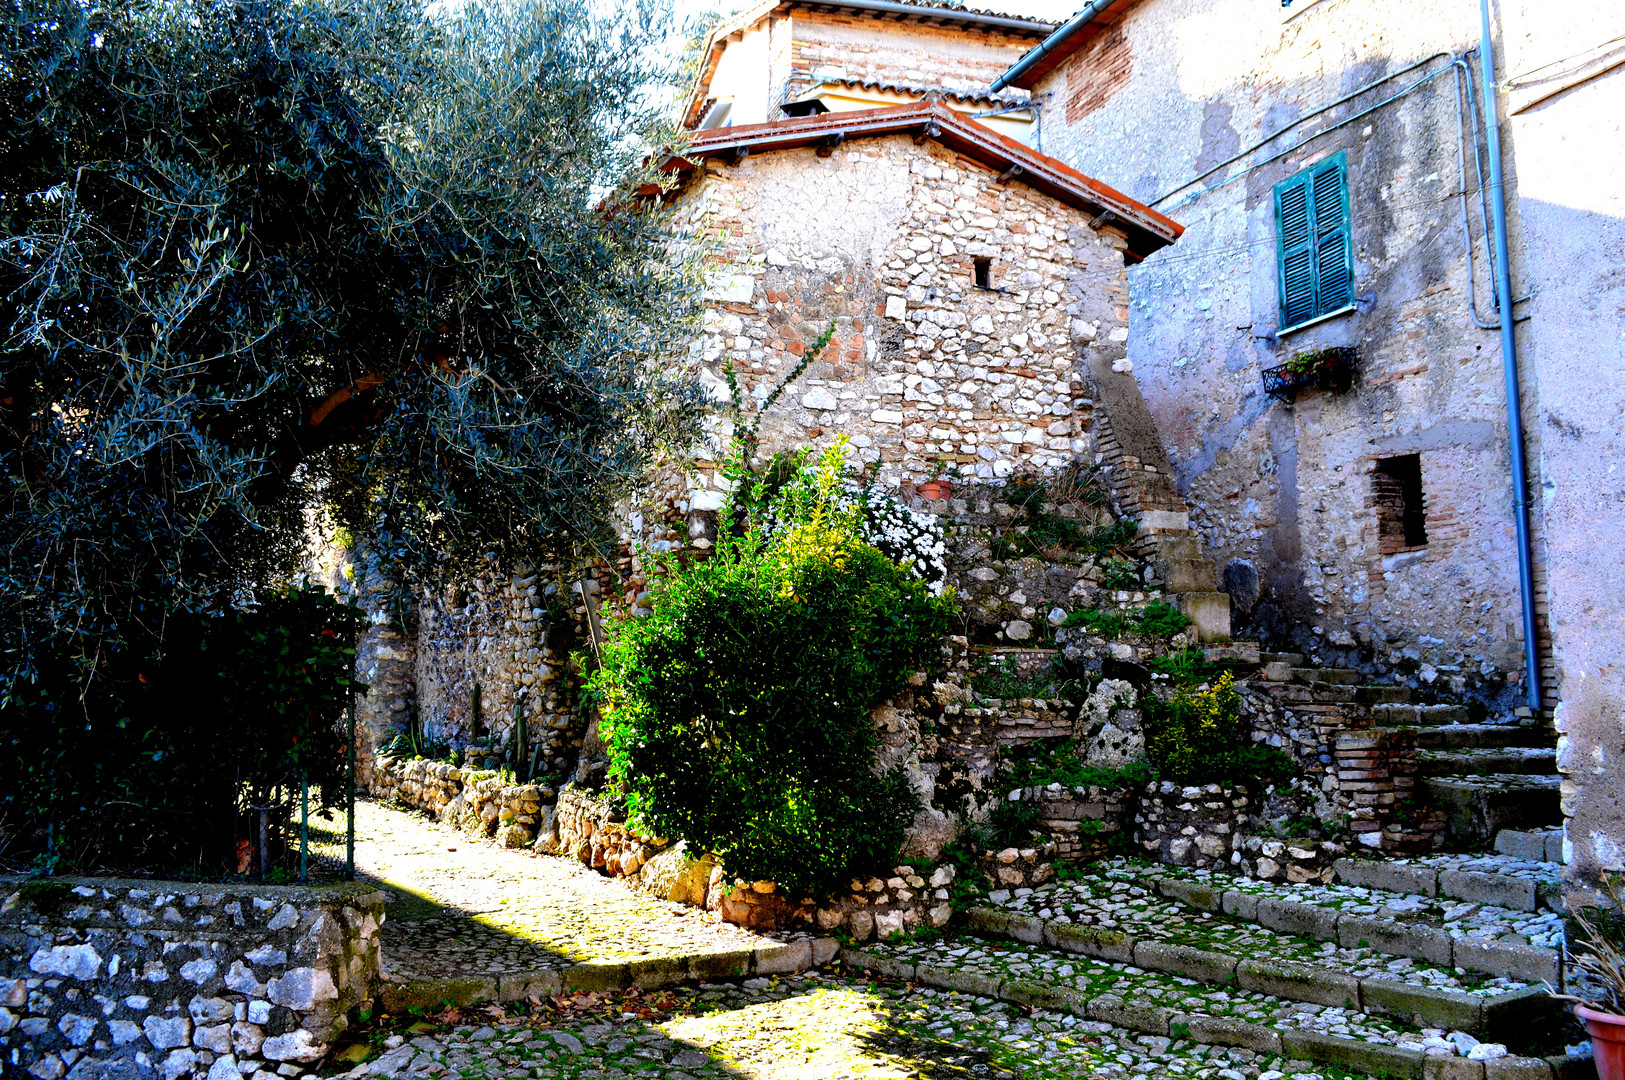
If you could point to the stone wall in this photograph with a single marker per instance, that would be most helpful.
(923, 367)
(1191, 826)
(474, 799)
(1297, 861)
(1281, 491)
(116, 978)
(1083, 822)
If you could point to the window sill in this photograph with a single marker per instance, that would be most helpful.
(1316, 321)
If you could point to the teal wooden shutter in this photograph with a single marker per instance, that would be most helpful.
(1295, 249)
(1334, 253)
(1314, 248)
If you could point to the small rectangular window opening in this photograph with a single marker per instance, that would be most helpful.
(1396, 489)
(984, 273)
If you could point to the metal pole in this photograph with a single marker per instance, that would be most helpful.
(1509, 357)
(349, 838)
(304, 829)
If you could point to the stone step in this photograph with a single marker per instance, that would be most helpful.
(1335, 694)
(1209, 611)
(1485, 761)
(1478, 807)
(1535, 845)
(1480, 736)
(1155, 992)
(1404, 714)
(1177, 545)
(1290, 659)
(1331, 676)
(1348, 927)
(1512, 883)
(1181, 575)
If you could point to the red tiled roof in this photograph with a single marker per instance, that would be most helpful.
(1077, 39)
(1147, 230)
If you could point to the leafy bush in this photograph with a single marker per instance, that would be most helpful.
(1040, 764)
(1191, 667)
(1199, 736)
(1162, 620)
(737, 714)
(150, 758)
(1156, 618)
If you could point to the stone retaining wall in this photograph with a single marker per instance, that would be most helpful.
(474, 800)
(1268, 858)
(104, 978)
(1084, 821)
(1018, 868)
(1190, 826)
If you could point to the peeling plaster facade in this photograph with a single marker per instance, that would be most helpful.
(1283, 491)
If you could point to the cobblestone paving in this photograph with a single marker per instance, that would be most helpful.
(821, 1027)
(1108, 898)
(1480, 863)
(470, 907)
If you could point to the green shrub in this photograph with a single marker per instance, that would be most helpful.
(1162, 620)
(999, 679)
(737, 714)
(1104, 623)
(1199, 736)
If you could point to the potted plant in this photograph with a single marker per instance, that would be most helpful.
(1599, 957)
(937, 487)
(1329, 369)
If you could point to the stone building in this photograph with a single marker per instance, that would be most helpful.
(1330, 161)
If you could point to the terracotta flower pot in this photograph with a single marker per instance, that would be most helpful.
(1607, 1041)
(935, 489)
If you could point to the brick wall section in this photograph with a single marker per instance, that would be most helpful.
(1099, 70)
(856, 47)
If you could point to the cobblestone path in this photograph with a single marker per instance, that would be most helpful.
(818, 1026)
(467, 907)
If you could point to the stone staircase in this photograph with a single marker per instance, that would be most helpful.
(1399, 968)
(1485, 778)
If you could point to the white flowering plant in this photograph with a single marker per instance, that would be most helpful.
(793, 487)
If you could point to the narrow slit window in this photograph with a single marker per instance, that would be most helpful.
(1396, 490)
(984, 273)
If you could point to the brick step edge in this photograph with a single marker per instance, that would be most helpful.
(789, 959)
(1377, 1058)
(1290, 981)
(1502, 890)
(1393, 937)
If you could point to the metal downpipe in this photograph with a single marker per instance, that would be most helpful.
(1048, 45)
(1509, 357)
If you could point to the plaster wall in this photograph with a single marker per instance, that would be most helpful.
(1282, 491)
(1565, 124)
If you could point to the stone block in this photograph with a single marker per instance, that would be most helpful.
(1501, 890)
(1221, 1031)
(1389, 876)
(1192, 893)
(824, 950)
(1184, 960)
(1424, 1005)
(1041, 995)
(784, 959)
(1027, 928)
(657, 971)
(1241, 904)
(1520, 961)
(525, 984)
(1395, 937)
(1368, 1057)
(1526, 1009)
(1291, 917)
(889, 966)
(731, 964)
(1442, 1067)
(1517, 1068)
(1299, 982)
(429, 993)
(1094, 941)
(953, 979)
(607, 976)
(987, 920)
(1110, 1009)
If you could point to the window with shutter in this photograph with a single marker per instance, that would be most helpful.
(1314, 245)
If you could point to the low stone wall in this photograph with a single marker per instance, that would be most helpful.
(1019, 868)
(1083, 822)
(104, 978)
(474, 800)
(876, 907)
(1191, 826)
(1269, 858)
(592, 831)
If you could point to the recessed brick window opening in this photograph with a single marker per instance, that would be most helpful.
(1396, 491)
(984, 273)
